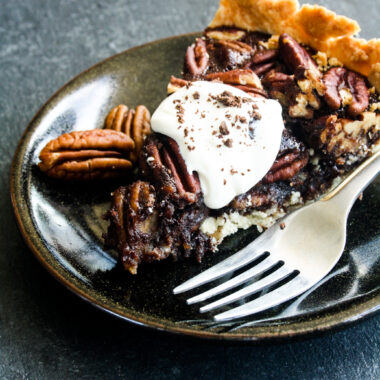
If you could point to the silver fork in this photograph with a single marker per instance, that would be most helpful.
(303, 247)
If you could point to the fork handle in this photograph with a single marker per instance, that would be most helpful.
(347, 191)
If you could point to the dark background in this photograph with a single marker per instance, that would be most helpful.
(48, 333)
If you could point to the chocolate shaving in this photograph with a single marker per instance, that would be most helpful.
(223, 128)
(228, 143)
(196, 95)
(228, 99)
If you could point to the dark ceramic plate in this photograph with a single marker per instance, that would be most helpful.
(63, 225)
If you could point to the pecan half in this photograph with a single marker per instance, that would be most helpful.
(263, 61)
(344, 87)
(87, 155)
(162, 162)
(286, 167)
(291, 158)
(297, 59)
(242, 77)
(134, 123)
(238, 46)
(196, 58)
(306, 73)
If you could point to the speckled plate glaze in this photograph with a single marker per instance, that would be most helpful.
(63, 226)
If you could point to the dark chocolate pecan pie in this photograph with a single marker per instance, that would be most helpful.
(328, 85)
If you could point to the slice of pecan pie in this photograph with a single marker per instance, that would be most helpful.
(328, 85)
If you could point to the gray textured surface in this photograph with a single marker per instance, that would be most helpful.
(48, 333)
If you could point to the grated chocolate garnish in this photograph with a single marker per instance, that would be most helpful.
(223, 128)
(228, 99)
(228, 143)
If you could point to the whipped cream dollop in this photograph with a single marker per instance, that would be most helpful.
(228, 137)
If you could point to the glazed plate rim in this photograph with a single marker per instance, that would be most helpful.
(357, 310)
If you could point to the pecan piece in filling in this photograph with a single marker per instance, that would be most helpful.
(162, 163)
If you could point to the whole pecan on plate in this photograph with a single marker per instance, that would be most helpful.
(87, 155)
(162, 163)
(344, 87)
(134, 123)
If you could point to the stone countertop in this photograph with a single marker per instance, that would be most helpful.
(48, 333)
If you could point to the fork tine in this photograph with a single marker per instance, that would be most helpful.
(235, 281)
(278, 296)
(269, 280)
(234, 262)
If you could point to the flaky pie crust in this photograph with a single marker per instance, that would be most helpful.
(312, 25)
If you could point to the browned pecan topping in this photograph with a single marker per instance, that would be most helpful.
(346, 87)
(243, 77)
(86, 155)
(263, 61)
(250, 199)
(297, 59)
(286, 167)
(306, 73)
(264, 56)
(278, 81)
(196, 59)
(134, 123)
(163, 163)
(238, 46)
(141, 197)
